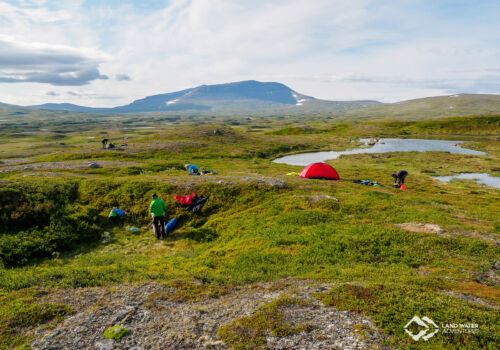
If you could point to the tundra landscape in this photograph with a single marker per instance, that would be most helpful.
(249, 175)
(272, 260)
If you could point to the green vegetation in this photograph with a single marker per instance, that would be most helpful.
(431, 107)
(40, 219)
(391, 305)
(116, 332)
(20, 310)
(54, 230)
(250, 332)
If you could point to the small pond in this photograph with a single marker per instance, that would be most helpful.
(140, 128)
(383, 146)
(481, 178)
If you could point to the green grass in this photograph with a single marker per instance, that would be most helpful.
(20, 311)
(250, 231)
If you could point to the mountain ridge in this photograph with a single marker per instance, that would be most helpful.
(244, 95)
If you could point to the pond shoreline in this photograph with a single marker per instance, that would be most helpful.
(386, 145)
(480, 178)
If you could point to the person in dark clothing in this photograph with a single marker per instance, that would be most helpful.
(104, 142)
(399, 178)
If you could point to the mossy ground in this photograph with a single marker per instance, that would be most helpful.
(250, 332)
(20, 310)
(116, 332)
(250, 231)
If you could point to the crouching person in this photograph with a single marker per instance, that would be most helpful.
(193, 169)
(115, 214)
(399, 178)
(157, 209)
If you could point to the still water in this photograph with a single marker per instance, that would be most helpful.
(383, 146)
(481, 178)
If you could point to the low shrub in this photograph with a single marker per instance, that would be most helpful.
(42, 218)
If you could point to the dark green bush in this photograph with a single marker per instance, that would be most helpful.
(25, 205)
(41, 218)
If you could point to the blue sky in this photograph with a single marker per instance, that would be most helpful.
(107, 53)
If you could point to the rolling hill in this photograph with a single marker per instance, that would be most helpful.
(268, 99)
(431, 107)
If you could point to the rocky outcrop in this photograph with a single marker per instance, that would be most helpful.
(158, 319)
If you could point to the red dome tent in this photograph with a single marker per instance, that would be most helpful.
(319, 171)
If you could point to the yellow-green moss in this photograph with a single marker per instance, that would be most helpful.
(116, 332)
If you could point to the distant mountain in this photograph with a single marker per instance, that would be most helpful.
(431, 107)
(248, 96)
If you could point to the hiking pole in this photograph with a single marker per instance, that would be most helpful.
(132, 197)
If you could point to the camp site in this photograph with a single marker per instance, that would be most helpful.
(201, 203)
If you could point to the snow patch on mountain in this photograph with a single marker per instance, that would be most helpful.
(300, 101)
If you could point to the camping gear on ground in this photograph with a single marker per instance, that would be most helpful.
(187, 200)
(198, 203)
(169, 227)
(402, 187)
(208, 172)
(293, 173)
(134, 229)
(319, 171)
(367, 182)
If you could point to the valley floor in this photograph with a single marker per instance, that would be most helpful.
(272, 261)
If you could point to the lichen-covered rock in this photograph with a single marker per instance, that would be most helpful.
(165, 317)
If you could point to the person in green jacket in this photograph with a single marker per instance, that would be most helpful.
(157, 209)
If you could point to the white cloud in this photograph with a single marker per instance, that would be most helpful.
(325, 48)
(45, 63)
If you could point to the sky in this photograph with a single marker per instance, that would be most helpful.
(104, 53)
